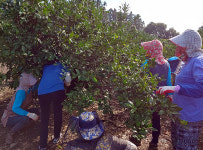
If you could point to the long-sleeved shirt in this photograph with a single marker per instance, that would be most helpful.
(19, 98)
(190, 95)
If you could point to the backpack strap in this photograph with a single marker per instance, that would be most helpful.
(73, 125)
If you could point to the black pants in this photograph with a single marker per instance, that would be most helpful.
(45, 101)
(157, 126)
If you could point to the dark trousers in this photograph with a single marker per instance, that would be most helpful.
(45, 101)
(16, 123)
(157, 126)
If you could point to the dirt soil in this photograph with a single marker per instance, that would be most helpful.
(28, 139)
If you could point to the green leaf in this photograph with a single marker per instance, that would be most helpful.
(161, 112)
(94, 79)
(183, 122)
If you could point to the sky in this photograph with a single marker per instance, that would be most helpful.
(177, 14)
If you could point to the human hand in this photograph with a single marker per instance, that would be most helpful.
(165, 89)
(33, 116)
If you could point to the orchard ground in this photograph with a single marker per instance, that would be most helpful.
(28, 138)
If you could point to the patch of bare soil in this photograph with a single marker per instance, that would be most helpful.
(28, 138)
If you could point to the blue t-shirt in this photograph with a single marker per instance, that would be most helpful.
(52, 79)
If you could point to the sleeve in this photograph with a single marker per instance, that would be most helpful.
(195, 89)
(19, 98)
(142, 66)
(169, 83)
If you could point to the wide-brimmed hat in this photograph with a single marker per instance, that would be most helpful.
(191, 40)
(26, 81)
(90, 126)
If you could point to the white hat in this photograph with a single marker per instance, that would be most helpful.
(191, 40)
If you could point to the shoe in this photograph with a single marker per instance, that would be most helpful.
(40, 148)
(56, 140)
(152, 146)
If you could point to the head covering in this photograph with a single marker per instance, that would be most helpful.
(154, 50)
(90, 127)
(191, 40)
(26, 81)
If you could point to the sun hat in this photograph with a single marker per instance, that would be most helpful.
(154, 50)
(90, 126)
(191, 40)
(26, 81)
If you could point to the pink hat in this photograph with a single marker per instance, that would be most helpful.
(155, 50)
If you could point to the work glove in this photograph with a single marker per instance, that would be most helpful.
(33, 116)
(165, 89)
(68, 77)
(170, 97)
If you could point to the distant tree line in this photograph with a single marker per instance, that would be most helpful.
(155, 29)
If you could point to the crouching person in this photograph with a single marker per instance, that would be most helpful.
(93, 136)
(16, 116)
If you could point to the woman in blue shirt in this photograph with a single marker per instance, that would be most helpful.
(188, 91)
(51, 90)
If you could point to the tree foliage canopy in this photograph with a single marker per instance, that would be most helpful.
(103, 56)
(200, 30)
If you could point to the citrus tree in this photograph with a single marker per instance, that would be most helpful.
(104, 57)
